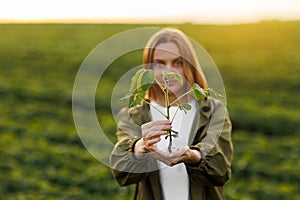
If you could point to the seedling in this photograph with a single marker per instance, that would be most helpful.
(145, 78)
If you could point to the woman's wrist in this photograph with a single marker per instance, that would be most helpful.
(195, 156)
(138, 149)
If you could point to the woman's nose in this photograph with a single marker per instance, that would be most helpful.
(169, 67)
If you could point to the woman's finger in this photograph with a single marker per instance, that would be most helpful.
(179, 152)
(152, 141)
(170, 159)
(161, 156)
(155, 123)
(155, 128)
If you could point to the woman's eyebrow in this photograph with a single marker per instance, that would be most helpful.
(178, 58)
(162, 60)
(158, 60)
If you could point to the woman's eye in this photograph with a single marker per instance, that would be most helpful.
(178, 63)
(159, 64)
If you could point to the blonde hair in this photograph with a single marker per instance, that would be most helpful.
(191, 67)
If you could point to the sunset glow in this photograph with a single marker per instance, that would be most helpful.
(214, 11)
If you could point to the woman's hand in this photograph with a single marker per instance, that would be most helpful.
(151, 133)
(183, 154)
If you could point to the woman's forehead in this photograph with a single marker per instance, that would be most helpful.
(169, 49)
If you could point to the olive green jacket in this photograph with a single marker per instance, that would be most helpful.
(211, 135)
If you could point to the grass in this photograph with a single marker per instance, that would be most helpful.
(43, 157)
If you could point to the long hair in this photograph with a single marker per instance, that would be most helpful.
(191, 67)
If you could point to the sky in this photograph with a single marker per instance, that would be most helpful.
(171, 11)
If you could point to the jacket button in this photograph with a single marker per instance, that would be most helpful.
(205, 108)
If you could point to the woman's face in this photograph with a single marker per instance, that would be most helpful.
(167, 58)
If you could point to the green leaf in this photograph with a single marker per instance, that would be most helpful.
(175, 133)
(145, 80)
(140, 83)
(197, 92)
(211, 92)
(126, 97)
(176, 76)
(165, 77)
(186, 106)
(134, 80)
(136, 98)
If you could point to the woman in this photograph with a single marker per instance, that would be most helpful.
(200, 164)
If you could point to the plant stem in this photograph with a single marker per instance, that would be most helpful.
(181, 96)
(153, 107)
(175, 114)
(160, 86)
(168, 115)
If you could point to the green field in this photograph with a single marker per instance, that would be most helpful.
(42, 156)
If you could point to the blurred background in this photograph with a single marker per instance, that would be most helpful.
(255, 45)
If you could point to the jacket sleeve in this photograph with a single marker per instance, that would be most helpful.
(126, 168)
(213, 140)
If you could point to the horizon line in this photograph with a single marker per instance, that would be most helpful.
(133, 21)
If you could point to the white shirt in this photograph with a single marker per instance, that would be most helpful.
(175, 180)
